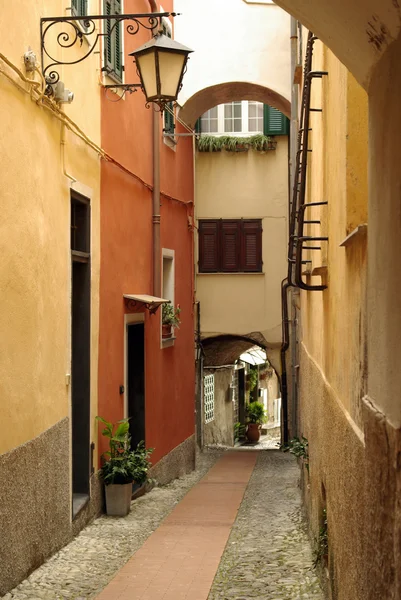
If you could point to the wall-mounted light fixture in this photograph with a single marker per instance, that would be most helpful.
(160, 63)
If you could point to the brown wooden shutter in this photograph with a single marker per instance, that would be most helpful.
(230, 246)
(208, 246)
(251, 247)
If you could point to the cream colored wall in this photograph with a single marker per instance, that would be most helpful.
(35, 277)
(334, 321)
(233, 42)
(245, 185)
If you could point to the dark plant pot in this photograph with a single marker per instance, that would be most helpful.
(166, 331)
(253, 432)
(118, 499)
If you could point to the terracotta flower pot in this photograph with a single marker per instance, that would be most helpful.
(166, 331)
(253, 432)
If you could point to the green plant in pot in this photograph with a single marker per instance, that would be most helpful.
(256, 416)
(170, 319)
(122, 466)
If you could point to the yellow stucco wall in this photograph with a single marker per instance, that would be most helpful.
(35, 274)
(231, 185)
(334, 321)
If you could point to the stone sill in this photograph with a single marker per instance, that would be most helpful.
(359, 232)
(167, 342)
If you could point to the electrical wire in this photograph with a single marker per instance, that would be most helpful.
(37, 94)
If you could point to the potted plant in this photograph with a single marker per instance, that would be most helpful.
(256, 416)
(122, 467)
(170, 319)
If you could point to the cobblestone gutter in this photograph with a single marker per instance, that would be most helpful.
(268, 555)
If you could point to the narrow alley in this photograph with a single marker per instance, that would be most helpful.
(187, 540)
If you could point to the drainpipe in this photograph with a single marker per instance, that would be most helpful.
(156, 192)
(294, 135)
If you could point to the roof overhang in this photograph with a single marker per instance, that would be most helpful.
(140, 302)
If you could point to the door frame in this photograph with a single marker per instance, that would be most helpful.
(131, 319)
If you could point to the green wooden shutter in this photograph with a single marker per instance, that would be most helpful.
(169, 124)
(274, 122)
(79, 8)
(117, 34)
(108, 44)
(198, 126)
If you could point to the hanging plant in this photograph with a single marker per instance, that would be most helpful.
(230, 143)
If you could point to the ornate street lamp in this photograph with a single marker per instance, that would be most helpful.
(161, 64)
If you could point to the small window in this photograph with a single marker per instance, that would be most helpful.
(169, 120)
(255, 117)
(243, 118)
(79, 8)
(209, 121)
(80, 225)
(230, 246)
(233, 117)
(208, 395)
(113, 55)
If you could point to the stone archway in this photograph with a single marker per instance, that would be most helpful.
(232, 91)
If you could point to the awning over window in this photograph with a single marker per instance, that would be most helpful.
(141, 302)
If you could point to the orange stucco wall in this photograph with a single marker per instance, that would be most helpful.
(126, 261)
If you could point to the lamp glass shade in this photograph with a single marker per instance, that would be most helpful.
(171, 66)
(161, 64)
(147, 68)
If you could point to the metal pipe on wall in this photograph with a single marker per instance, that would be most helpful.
(294, 135)
(156, 191)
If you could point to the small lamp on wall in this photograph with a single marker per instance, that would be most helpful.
(161, 65)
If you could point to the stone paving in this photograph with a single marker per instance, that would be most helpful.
(268, 556)
(86, 565)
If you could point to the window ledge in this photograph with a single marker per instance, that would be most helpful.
(360, 231)
(239, 273)
(170, 141)
(167, 342)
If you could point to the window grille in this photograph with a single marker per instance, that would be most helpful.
(208, 395)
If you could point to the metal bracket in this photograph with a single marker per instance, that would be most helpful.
(76, 28)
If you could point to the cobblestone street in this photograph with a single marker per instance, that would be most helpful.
(267, 556)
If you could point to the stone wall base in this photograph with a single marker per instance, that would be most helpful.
(356, 476)
(178, 462)
(35, 509)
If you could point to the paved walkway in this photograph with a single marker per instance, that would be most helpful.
(179, 561)
(236, 535)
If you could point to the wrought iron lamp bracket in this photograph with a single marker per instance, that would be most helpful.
(75, 28)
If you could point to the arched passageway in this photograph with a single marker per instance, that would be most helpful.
(231, 91)
(237, 370)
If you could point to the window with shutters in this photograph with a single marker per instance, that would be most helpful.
(169, 121)
(230, 246)
(113, 41)
(244, 118)
(79, 8)
(209, 121)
